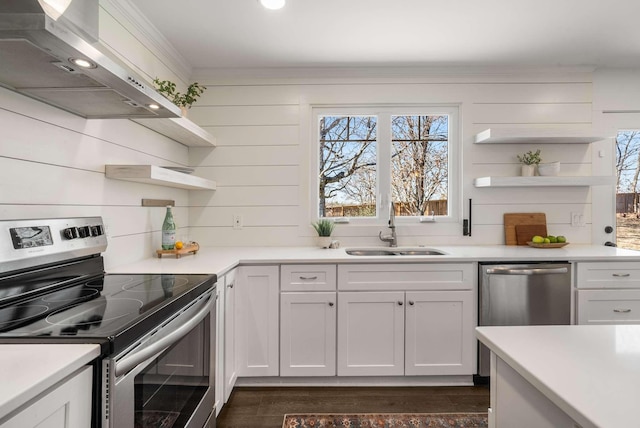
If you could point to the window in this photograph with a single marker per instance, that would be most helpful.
(627, 189)
(370, 156)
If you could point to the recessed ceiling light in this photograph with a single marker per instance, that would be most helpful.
(273, 4)
(153, 106)
(82, 63)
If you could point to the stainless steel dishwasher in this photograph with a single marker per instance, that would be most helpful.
(522, 294)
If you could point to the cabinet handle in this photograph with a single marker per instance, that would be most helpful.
(400, 303)
(411, 302)
(330, 303)
(621, 275)
(308, 277)
(230, 285)
(622, 311)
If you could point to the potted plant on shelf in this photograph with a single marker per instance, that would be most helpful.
(184, 101)
(324, 227)
(529, 161)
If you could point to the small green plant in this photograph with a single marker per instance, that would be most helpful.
(530, 158)
(168, 89)
(324, 227)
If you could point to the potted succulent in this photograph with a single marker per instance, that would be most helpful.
(184, 101)
(324, 227)
(529, 161)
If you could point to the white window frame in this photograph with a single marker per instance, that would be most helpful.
(383, 147)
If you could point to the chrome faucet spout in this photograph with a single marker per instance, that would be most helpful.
(392, 238)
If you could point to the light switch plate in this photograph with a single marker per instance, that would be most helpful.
(577, 220)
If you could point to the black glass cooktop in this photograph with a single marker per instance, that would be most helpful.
(112, 309)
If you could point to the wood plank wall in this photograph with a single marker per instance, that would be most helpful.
(52, 162)
(52, 165)
(261, 162)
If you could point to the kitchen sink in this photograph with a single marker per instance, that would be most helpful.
(393, 252)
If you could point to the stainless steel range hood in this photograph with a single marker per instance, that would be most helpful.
(40, 39)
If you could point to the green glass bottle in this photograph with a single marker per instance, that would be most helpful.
(168, 231)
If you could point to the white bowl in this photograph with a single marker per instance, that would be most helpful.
(551, 169)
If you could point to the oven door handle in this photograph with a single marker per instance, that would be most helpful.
(157, 346)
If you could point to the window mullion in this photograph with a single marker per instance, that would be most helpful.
(384, 165)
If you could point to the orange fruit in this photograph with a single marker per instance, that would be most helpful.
(179, 245)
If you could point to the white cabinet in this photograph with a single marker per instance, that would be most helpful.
(419, 323)
(608, 293)
(608, 306)
(308, 320)
(230, 362)
(258, 320)
(439, 333)
(370, 333)
(308, 334)
(67, 405)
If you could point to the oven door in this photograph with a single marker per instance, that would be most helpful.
(167, 379)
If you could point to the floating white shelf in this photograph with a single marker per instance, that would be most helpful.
(534, 136)
(538, 181)
(157, 175)
(181, 130)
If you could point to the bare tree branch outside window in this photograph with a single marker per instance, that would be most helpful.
(348, 167)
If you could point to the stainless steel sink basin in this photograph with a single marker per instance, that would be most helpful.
(393, 252)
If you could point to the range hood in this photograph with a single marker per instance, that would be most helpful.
(41, 44)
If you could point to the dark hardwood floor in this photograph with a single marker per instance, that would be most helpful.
(266, 407)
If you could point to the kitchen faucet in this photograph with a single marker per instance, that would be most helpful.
(392, 239)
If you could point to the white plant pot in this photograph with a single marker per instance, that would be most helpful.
(528, 170)
(324, 241)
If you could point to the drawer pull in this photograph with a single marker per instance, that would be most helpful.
(400, 303)
(622, 311)
(411, 302)
(308, 278)
(330, 303)
(621, 275)
(230, 285)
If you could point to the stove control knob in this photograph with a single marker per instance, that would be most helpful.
(70, 233)
(96, 230)
(83, 232)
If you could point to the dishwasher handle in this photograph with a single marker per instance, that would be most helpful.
(526, 271)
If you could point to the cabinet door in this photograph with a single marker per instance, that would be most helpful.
(609, 307)
(258, 302)
(308, 334)
(230, 363)
(65, 406)
(439, 339)
(370, 333)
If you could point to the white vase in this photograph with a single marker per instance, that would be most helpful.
(528, 170)
(324, 241)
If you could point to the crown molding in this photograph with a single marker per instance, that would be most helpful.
(149, 35)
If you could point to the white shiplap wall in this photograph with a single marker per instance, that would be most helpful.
(52, 165)
(261, 162)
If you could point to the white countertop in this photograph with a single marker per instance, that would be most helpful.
(28, 370)
(591, 372)
(219, 260)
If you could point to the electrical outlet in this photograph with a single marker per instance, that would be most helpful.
(577, 220)
(237, 221)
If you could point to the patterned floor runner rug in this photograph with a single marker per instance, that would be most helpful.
(387, 420)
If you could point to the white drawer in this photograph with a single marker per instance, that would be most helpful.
(609, 307)
(608, 275)
(423, 276)
(307, 277)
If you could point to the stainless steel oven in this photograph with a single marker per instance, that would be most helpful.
(166, 378)
(156, 331)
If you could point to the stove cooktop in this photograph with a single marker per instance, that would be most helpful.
(113, 309)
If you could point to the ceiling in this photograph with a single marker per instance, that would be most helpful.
(212, 34)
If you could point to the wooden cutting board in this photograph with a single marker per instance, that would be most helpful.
(524, 232)
(513, 219)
